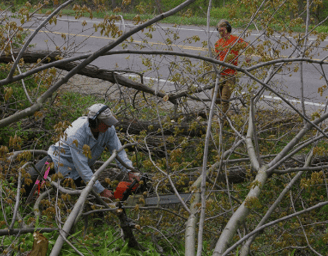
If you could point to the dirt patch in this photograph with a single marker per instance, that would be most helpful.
(104, 89)
(87, 85)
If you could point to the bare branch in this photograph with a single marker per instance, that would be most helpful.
(249, 143)
(319, 205)
(28, 41)
(17, 199)
(79, 206)
(7, 232)
(245, 249)
(38, 201)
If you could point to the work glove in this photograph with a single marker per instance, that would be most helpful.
(134, 175)
(107, 193)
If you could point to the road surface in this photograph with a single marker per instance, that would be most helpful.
(69, 34)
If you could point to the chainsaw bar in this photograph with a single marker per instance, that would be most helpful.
(166, 199)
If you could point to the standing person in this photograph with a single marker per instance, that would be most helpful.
(82, 144)
(227, 49)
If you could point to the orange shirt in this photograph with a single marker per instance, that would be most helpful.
(223, 46)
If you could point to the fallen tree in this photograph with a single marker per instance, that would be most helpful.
(245, 169)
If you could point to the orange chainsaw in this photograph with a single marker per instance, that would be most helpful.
(132, 193)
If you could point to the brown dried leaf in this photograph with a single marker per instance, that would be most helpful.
(40, 245)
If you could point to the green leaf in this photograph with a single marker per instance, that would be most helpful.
(292, 254)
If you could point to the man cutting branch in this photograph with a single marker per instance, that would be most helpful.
(82, 144)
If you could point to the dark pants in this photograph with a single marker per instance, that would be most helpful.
(39, 166)
(78, 182)
(225, 89)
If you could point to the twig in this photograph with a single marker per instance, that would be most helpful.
(121, 236)
(301, 224)
(20, 72)
(64, 190)
(2, 206)
(133, 207)
(17, 199)
(38, 201)
(127, 166)
(245, 249)
(70, 244)
(7, 232)
(164, 238)
(12, 156)
(169, 177)
(28, 41)
(273, 223)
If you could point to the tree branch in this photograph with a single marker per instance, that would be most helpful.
(271, 224)
(27, 43)
(79, 206)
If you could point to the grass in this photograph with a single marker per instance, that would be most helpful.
(174, 19)
(105, 242)
(322, 29)
(222, 13)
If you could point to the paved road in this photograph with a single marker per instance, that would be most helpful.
(68, 33)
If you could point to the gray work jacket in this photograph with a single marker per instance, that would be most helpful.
(67, 154)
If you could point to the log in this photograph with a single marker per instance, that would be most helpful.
(185, 129)
(90, 71)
